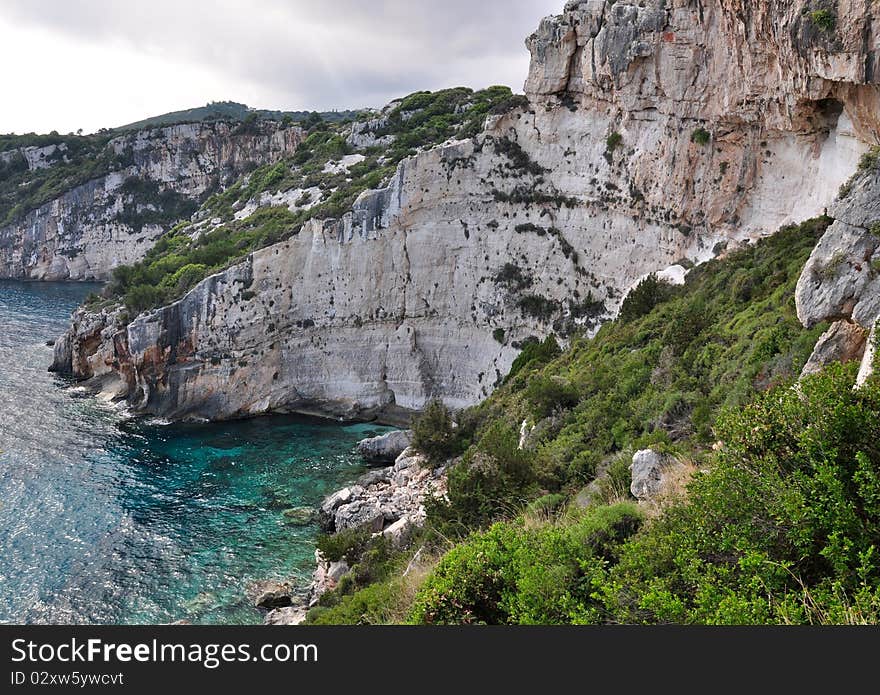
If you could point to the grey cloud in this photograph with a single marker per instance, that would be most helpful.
(309, 54)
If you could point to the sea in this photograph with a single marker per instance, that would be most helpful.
(108, 518)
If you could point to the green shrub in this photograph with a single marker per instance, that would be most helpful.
(830, 269)
(512, 574)
(434, 434)
(513, 277)
(538, 306)
(471, 582)
(701, 136)
(534, 353)
(494, 478)
(869, 160)
(824, 20)
(526, 195)
(508, 104)
(867, 163)
(376, 604)
(613, 142)
(547, 505)
(589, 307)
(345, 545)
(142, 297)
(650, 292)
(184, 277)
(519, 158)
(547, 394)
(784, 528)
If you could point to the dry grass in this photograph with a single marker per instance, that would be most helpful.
(420, 566)
(676, 477)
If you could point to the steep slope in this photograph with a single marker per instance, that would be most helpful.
(84, 206)
(655, 134)
(683, 371)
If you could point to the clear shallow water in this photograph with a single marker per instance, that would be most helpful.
(109, 519)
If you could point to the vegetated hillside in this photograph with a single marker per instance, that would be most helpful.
(69, 161)
(272, 202)
(233, 111)
(780, 526)
(74, 207)
(659, 375)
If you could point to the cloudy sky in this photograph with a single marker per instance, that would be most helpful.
(71, 64)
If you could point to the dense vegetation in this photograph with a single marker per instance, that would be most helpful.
(783, 528)
(421, 120)
(781, 525)
(232, 111)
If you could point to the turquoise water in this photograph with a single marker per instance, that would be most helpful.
(109, 519)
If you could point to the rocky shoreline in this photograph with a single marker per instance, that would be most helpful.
(389, 501)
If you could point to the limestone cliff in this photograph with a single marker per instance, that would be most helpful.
(656, 133)
(115, 218)
(841, 280)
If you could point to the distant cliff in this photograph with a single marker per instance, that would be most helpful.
(654, 135)
(146, 181)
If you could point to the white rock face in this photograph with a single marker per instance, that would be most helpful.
(841, 279)
(84, 234)
(344, 164)
(656, 132)
(869, 359)
(365, 134)
(674, 274)
(647, 474)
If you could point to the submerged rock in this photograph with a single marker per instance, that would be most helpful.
(299, 516)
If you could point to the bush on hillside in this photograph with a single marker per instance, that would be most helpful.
(650, 292)
(534, 353)
(494, 479)
(515, 574)
(784, 529)
(434, 433)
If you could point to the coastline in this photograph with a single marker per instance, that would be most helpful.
(387, 501)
